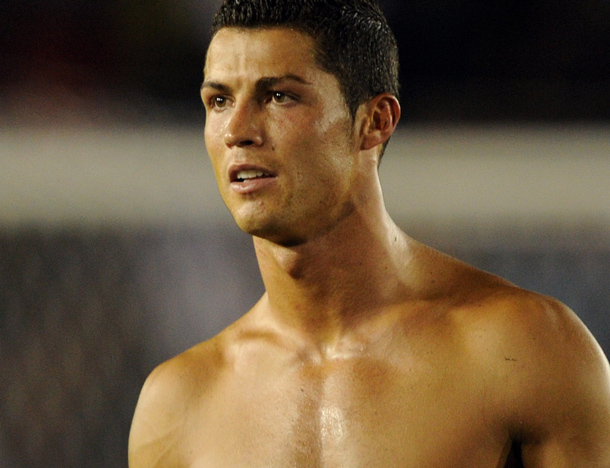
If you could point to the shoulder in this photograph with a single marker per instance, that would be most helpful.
(530, 328)
(496, 313)
(166, 402)
(497, 318)
(548, 379)
(183, 375)
(537, 333)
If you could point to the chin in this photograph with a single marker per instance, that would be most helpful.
(272, 231)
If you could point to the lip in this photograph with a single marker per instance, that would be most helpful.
(250, 185)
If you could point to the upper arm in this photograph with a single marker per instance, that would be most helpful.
(576, 432)
(564, 409)
(158, 422)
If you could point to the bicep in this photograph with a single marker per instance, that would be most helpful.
(583, 443)
(572, 415)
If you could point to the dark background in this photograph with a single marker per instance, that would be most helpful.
(462, 61)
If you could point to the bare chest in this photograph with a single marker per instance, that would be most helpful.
(351, 414)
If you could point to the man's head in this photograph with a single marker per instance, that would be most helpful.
(293, 132)
(353, 40)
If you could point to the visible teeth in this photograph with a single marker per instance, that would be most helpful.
(249, 174)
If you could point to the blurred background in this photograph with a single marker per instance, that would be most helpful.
(116, 252)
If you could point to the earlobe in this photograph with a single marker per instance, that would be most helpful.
(383, 113)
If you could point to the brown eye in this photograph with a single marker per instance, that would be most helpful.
(219, 101)
(279, 97)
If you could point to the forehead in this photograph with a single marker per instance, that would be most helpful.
(269, 51)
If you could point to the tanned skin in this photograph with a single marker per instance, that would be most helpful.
(368, 349)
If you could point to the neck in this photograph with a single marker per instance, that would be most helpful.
(325, 287)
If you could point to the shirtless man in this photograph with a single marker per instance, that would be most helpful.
(368, 349)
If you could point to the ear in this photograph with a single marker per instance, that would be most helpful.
(382, 116)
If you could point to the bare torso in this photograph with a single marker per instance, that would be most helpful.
(408, 400)
(454, 379)
(418, 386)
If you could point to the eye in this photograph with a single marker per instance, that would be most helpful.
(281, 98)
(218, 102)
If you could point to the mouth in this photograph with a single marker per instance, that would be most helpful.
(248, 172)
(250, 179)
(244, 175)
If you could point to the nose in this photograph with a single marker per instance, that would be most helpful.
(244, 127)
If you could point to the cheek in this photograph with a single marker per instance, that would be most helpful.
(334, 142)
(320, 139)
(335, 133)
(214, 147)
(212, 131)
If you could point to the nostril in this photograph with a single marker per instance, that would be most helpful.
(249, 134)
(244, 143)
(235, 140)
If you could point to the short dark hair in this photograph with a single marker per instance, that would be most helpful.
(353, 39)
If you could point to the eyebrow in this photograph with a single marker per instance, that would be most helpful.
(215, 85)
(262, 84)
(269, 82)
